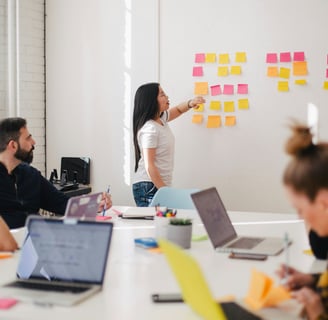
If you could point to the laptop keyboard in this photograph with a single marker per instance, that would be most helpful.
(47, 287)
(246, 243)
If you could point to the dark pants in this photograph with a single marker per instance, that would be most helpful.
(143, 193)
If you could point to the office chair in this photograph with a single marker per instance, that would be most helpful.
(173, 198)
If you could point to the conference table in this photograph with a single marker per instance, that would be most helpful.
(134, 274)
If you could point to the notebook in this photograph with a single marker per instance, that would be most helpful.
(62, 261)
(139, 213)
(223, 234)
(195, 290)
(84, 206)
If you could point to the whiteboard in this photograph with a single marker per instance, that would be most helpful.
(245, 162)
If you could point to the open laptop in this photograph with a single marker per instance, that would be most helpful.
(195, 290)
(62, 261)
(223, 234)
(84, 206)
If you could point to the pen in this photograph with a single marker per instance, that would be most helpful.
(286, 257)
(104, 210)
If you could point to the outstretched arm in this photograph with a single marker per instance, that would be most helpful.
(184, 107)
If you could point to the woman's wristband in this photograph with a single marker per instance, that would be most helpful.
(189, 106)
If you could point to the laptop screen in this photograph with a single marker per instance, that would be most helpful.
(65, 250)
(214, 216)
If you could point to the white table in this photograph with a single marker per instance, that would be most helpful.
(133, 274)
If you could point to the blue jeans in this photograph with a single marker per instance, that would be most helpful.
(143, 193)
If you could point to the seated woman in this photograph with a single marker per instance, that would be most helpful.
(7, 241)
(306, 183)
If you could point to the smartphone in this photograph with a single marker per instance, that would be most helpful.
(167, 297)
(248, 256)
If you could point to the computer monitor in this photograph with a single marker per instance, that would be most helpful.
(77, 168)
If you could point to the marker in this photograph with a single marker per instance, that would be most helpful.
(286, 257)
(104, 209)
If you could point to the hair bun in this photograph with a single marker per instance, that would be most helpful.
(300, 141)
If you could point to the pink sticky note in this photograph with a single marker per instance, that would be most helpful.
(326, 73)
(6, 303)
(285, 57)
(103, 218)
(197, 71)
(200, 57)
(242, 88)
(228, 89)
(271, 58)
(216, 90)
(299, 56)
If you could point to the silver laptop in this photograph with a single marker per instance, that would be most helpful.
(223, 234)
(84, 206)
(62, 261)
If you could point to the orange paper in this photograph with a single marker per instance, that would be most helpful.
(201, 88)
(213, 122)
(197, 118)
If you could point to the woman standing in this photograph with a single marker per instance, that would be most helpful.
(153, 140)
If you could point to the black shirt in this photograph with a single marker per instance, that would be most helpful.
(319, 245)
(25, 192)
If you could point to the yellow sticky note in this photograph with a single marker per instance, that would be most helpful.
(243, 104)
(325, 85)
(284, 73)
(301, 82)
(235, 70)
(240, 57)
(300, 68)
(223, 71)
(283, 86)
(200, 108)
(224, 58)
(210, 57)
(201, 88)
(213, 121)
(197, 118)
(215, 105)
(229, 106)
(272, 72)
(230, 121)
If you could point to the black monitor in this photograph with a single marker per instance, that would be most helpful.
(77, 169)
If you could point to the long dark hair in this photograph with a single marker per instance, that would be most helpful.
(145, 108)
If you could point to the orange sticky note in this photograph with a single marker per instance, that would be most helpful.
(230, 121)
(272, 72)
(229, 106)
(213, 121)
(5, 255)
(201, 88)
(262, 292)
(300, 68)
(215, 105)
(197, 118)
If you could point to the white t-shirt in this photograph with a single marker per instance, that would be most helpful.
(154, 135)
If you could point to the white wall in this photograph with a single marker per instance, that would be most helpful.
(93, 70)
(22, 89)
(95, 61)
(244, 162)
